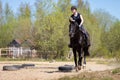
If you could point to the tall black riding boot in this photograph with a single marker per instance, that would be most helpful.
(70, 45)
(87, 40)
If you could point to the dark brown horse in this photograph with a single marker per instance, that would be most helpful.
(78, 45)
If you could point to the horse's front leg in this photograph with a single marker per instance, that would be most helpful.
(75, 58)
(80, 59)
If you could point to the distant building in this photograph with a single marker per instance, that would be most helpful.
(19, 48)
(15, 43)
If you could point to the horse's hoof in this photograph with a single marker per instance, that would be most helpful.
(76, 68)
(84, 66)
(79, 67)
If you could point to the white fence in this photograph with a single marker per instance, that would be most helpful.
(17, 52)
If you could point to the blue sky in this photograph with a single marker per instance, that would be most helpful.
(111, 6)
(14, 4)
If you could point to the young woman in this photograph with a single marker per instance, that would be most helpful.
(77, 17)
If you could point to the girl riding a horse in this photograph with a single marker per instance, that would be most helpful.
(79, 38)
(77, 17)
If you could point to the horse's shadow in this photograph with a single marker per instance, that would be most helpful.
(52, 71)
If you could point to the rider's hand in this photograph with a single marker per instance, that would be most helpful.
(80, 26)
(71, 19)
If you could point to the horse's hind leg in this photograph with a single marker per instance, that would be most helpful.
(75, 58)
(86, 53)
(84, 62)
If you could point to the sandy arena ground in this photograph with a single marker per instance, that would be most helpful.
(46, 70)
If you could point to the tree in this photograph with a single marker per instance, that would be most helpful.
(1, 14)
(24, 24)
(113, 37)
(52, 29)
(104, 19)
(49, 27)
(7, 28)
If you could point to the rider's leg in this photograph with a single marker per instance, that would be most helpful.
(86, 35)
(87, 39)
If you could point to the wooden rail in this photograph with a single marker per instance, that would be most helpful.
(16, 52)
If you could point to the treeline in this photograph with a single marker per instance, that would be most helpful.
(47, 27)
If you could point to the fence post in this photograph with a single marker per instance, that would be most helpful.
(21, 51)
(14, 52)
(0, 52)
(18, 52)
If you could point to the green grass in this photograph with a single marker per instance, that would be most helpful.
(115, 71)
(98, 75)
(107, 78)
(85, 78)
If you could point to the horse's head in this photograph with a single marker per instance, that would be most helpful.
(73, 28)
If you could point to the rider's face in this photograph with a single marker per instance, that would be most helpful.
(74, 11)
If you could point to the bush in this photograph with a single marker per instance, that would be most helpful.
(117, 55)
(115, 71)
(101, 52)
